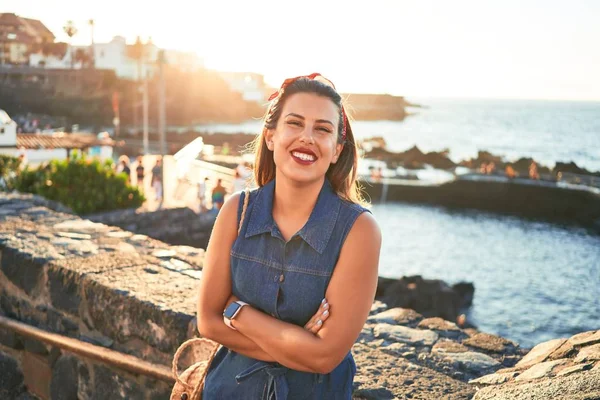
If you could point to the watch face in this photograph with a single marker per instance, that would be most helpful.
(231, 310)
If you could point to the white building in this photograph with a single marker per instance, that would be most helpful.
(8, 133)
(251, 85)
(117, 55)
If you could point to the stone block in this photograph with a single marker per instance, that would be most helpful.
(9, 305)
(34, 346)
(31, 315)
(85, 387)
(113, 384)
(63, 286)
(37, 374)
(65, 276)
(65, 379)
(59, 323)
(10, 339)
(11, 378)
(155, 306)
(23, 267)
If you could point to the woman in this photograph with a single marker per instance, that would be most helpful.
(306, 253)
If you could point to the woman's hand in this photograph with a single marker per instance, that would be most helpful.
(316, 322)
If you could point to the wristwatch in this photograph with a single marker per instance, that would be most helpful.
(232, 311)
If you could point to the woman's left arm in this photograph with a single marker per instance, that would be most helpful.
(350, 294)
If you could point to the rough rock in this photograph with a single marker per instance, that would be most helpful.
(400, 316)
(542, 375)
(405, 335)
(431, 298)
(581, 386)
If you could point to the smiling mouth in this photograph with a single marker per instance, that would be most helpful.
(303, 158)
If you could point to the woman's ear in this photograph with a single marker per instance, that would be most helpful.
(338, 151)
(269, 133)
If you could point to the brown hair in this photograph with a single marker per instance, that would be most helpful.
(342, 174)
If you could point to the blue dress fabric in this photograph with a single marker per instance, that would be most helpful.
(286, 280)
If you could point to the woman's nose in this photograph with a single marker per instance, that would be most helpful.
(307, 134)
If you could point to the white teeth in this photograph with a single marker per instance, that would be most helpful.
(303, 156)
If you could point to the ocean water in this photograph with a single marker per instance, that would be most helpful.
(548, 131)
(533, 281)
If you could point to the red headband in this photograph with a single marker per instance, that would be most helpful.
(314, 75)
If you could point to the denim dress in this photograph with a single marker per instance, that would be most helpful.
(286, 280)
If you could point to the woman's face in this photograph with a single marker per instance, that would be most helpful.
(304, 142)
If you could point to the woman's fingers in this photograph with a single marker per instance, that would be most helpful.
(317, 320)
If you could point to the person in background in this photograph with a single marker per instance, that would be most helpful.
(157, 180)
(139, 171)
(123, 167)
(218, 195)
(533, 171)
(202, 186)
(510, 171)
(239, 182)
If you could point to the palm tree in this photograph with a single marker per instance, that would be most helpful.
(71, 31)
(137, 52)
(92, 55)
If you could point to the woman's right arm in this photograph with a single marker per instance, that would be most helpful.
(215, 286)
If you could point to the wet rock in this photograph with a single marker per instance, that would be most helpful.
(429, 297)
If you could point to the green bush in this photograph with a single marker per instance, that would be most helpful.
(84, 185)
(9, 167)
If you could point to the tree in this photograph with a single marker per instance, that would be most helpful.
(71, 31)
(92, 54)
(138, 53)
(82, 56)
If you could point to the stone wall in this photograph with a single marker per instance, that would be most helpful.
(180, 226)
(92, 282)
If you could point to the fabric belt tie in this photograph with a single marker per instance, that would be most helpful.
(277, 386)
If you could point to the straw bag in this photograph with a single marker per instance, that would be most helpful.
(190, 383)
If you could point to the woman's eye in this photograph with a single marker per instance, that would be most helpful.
(326, 130)
(295, 123)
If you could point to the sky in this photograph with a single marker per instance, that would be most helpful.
(522, 49)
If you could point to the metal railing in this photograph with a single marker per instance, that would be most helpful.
(103, 355)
